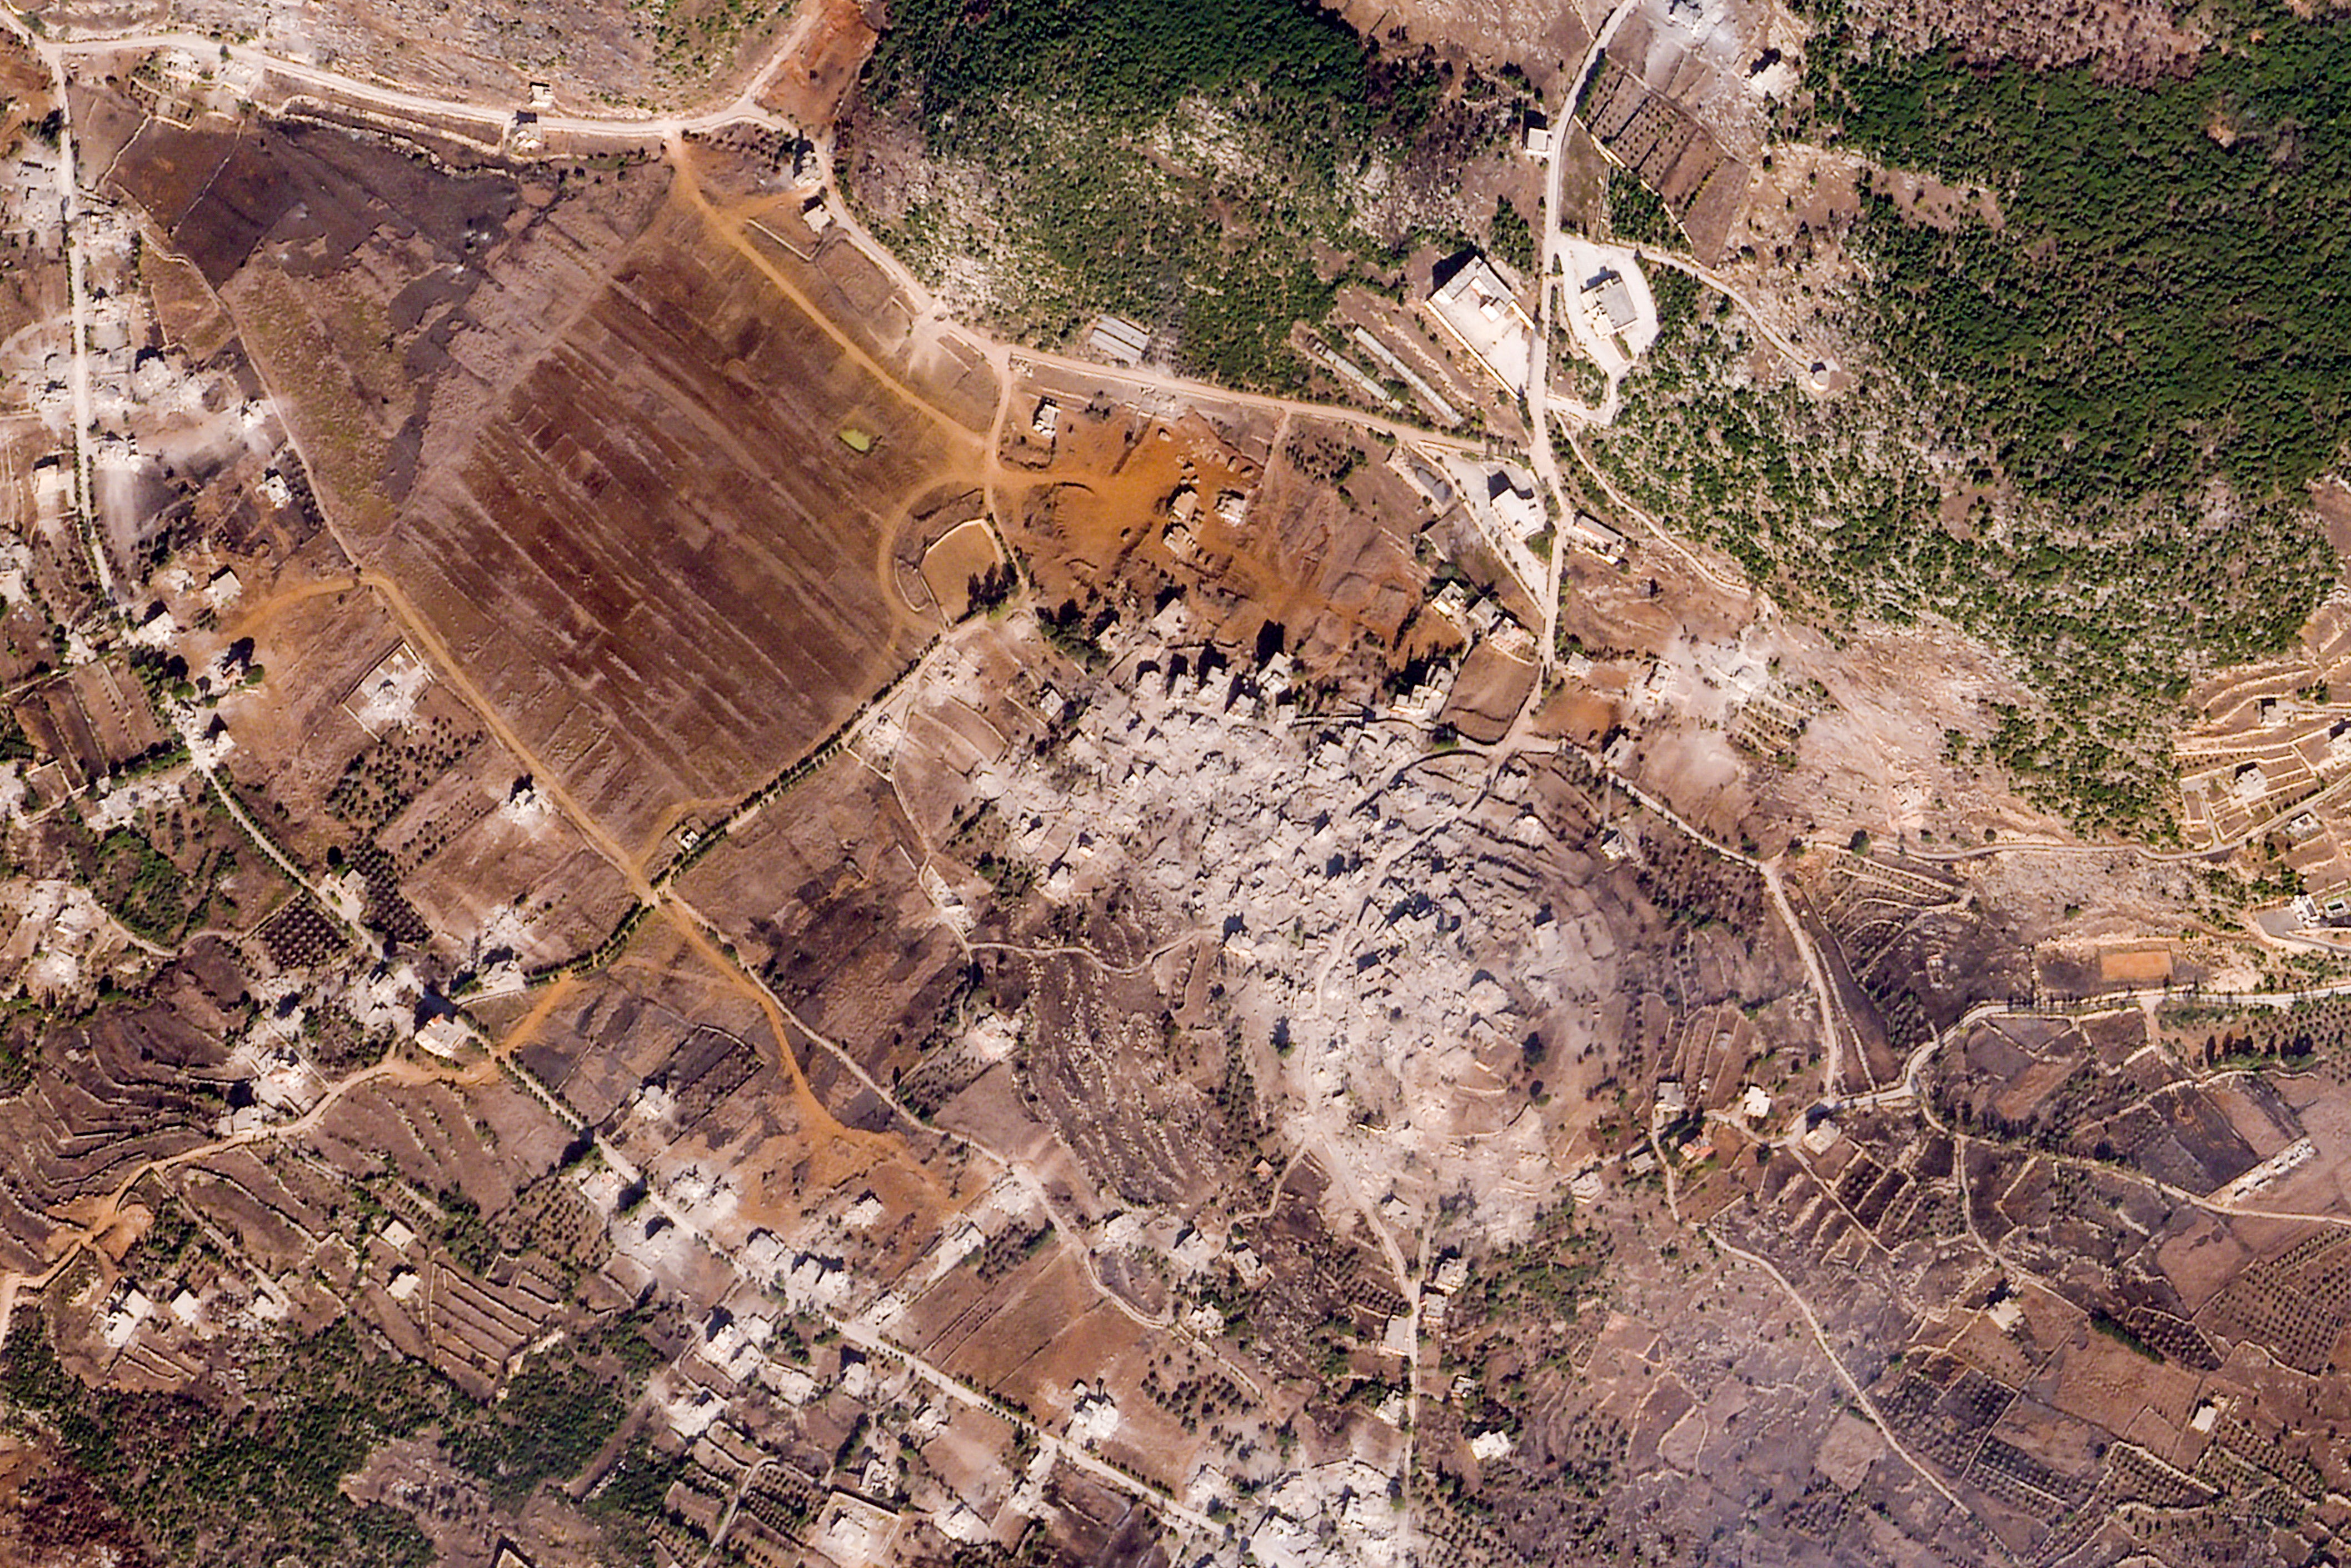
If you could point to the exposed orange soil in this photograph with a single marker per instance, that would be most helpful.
(811, 87)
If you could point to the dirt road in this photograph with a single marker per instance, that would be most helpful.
(106, 1210)
(1812, 370)
(742, 107)
(1539, 408)
(1825, 998)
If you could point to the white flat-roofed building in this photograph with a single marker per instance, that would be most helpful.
(1612, 299)
(1595, 536)
(1516, 505)
(1483, 316)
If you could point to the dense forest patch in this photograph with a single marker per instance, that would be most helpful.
(2087, 431)
(2163, 300)
(1123, 58)
(251, 1488)
(1202, 170)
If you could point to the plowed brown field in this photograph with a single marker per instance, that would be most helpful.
(605, 461)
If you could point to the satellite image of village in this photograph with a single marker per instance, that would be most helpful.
(1174, 783)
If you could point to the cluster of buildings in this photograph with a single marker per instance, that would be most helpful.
(1480, 615)
(1314, 840)
(1328, 1516)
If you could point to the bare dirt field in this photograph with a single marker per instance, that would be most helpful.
(1547, 41)
(965, 554)
(768, 482)
(810, 88)
(1493, 688)
(838, 281)
(357, 750)
(591, 54)
(2127, 40)
(752, 627)
(600, 1040)
(916, 1053)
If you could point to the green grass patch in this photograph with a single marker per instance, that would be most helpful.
(145, 890)
(258, 1486)
(1512, 238)
(1828, 504)
(1116, 57)
(553, 1419)
(262, 1482)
